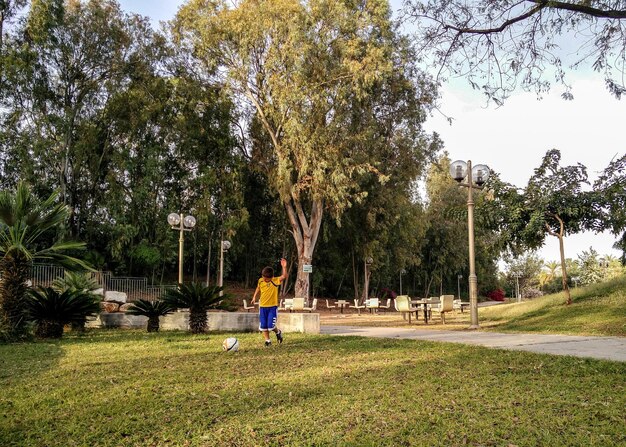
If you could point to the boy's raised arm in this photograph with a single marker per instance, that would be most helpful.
(283, 263)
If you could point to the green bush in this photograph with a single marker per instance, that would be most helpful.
(151, 309)
(79, 283)
(50, 309)
(198, 298)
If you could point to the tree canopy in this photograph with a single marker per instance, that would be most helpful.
(329, 83)
(499, 45)
(292, 128)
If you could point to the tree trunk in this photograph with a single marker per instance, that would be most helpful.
(197, 321)
(13, 287)
(564, 270)
(305, 235)
(49, 329)
(355, 278)
(78, 325)
(366, 282)
(153, 324)
(559, 236)
(305, 257)
(195, 258)
(208, 261)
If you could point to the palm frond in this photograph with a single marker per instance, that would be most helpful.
(150, 309)
(194, 296)
(47, 304)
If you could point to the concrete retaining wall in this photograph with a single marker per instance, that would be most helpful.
(308, 323)
(118, 320)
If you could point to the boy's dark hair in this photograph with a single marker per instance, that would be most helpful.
(268, 272)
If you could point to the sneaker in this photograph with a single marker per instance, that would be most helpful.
(279, 336)
(268, 343)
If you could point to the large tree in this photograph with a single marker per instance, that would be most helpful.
(498, 45)
(556, 204)
(64, 61)
(8, 10)
(611, 199)
(314, 75)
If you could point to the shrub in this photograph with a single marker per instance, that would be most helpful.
(496, 295)
(198, 299)
(50, 310)
(531, 292)
(79, 283)
(151, 309)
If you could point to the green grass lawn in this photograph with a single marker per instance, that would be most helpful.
(128, 388)
(599, 309)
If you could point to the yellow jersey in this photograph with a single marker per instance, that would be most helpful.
(269, 292)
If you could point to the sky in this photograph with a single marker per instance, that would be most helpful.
(512, 139)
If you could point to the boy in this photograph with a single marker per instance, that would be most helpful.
(267, 286)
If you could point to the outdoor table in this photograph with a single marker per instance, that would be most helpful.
(287, 304)
(464, 305)
(369, 304)
(425, 303)
(342, 304)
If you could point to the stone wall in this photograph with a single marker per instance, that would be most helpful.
(217, 321)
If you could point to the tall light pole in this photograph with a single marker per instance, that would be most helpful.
(225, 245)
(181, 223)
(402, 272)
(475, 177)
(518, 295)
(458, 284)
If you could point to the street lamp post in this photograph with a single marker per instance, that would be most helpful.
(181, 223)
(458, 284)
(402, 272)
(224, 246)
(476, 177)
(518, 295)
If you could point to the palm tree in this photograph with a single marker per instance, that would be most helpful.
(80, 283)
(198, 298)
(51, 309)
(151, 309)
(552, 267)
(23, 221)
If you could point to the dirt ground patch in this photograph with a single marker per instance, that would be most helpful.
(454, 320)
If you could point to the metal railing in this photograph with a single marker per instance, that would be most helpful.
(43, 274)
(135, 288)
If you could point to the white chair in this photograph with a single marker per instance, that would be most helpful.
(298, 304)
(372, 304)
(330, 306)
(385, 306)
(446, 304)
(460, 305)
(286, 304)
(246, 307)
(357, 306)
(313, 306)
(403, 305)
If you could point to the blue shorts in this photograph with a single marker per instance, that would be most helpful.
(267, 318)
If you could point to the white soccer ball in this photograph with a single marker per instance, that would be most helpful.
(231, 344)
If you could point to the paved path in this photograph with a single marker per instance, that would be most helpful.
(609, 348)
